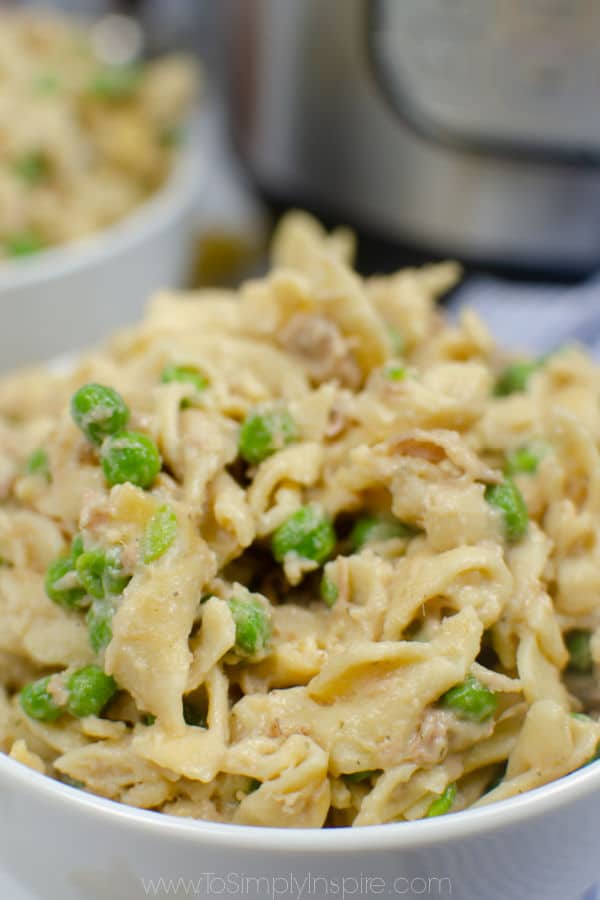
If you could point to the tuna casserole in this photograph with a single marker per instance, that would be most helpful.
(305, 554)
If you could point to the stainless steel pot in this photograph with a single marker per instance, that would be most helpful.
(469, 126)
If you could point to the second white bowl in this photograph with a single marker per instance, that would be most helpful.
(72, 296)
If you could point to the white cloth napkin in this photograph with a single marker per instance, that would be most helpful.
(536, 318)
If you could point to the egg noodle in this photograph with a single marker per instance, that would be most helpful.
(82, 142)
(382, 607)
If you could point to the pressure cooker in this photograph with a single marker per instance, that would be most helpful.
(469, 127)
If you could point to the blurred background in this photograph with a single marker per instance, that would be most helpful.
(436, 128)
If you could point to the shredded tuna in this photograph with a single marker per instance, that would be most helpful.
(324, 351)
(430, 744)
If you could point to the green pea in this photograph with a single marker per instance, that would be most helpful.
(359, 777)
(113, 83)
(25, 243)
(471, 700)
(171, 136)
(373, 529)
(130, 456)
(73, 782)
(38, 703)
(396, 339)
(32, 168)
(252, 626)
(186, 374)
(595, 756)
(77, 547)
(588, 719)
(508, 499)
(99, 623)
(101, 573)
(37, 463)
(89, 690)
(525, 460)
(496, 780)
(63, 585)
(160, 533)
(115, 579)
(579, 646)
(308, 533)
(99, 411)
(442, 804)
(329, 591)
(147, 719)
(263, 433)
(253, 785)
(395, 372)
(109, 581)
(193, 715)
(514, 378)
(47, 83)
(90, 567)
(581, 717)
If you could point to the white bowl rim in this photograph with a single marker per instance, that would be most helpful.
(396, 835)
(146, 219)
(153, 215)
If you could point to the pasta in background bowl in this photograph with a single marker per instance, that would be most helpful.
(297, 556)
(114, 227)
(84, 142)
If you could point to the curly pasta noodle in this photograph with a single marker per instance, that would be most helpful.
(344, 706)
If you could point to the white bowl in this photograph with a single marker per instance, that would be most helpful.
(60, 843)
(74, 295)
